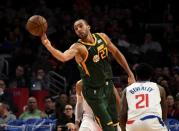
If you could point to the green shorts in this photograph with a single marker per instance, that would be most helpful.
(103, 103)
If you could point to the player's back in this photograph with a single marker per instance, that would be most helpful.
(143, 99)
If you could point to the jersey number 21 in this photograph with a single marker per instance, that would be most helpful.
(142, 101)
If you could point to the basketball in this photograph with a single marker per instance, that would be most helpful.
(37, 25)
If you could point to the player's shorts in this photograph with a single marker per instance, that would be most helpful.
(89, 124)
(103, 103)
(146, 123)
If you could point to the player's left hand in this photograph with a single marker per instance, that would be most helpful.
(44, 39)
(131, 79)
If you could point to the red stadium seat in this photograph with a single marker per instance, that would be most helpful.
(20, 97)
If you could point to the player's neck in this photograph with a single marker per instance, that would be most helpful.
(89, 39)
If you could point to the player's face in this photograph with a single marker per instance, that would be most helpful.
(81, 28)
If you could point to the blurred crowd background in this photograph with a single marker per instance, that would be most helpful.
(143, 30)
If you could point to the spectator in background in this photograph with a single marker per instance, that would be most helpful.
(177, 104)
(40, 80)
(6, 96)
(50, 107)
(164, 83)
(58, 112)
(11, 43)
(176, 84)
(71, 127)
(5, 115)
(19, 79)
(73, 100)
(67, 127)
(150, 44)
(151, 50)
(63, 99)
(172, 111)
(73, 90)
(177, 96)
(123, 42)
(68, 115)
(32, 110)
(157, 76)
(166, 72)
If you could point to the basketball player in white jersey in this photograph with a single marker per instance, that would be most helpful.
(85, 114)
(143, 103)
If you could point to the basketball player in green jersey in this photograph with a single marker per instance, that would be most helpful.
(91, 54)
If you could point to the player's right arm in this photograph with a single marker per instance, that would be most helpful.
(119, 57)
(66, 56)
(117, 99)
(123, 111)
(163, 102)
(79, 104)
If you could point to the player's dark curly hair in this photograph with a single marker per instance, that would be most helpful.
(143, 72)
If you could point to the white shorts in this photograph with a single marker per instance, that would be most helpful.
(90, 124)
(152, 124)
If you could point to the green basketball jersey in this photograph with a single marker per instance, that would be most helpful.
(95, 70)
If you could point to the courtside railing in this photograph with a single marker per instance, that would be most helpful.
(57, 82)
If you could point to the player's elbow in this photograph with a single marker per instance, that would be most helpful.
(63, 59)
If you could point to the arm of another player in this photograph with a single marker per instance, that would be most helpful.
(163, 102)
(123, 111)
(119, 58)
(117, 99)
(79, 104)
(67, 55)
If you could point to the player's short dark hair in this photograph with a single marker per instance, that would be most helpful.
(144, 71)
(85, 21)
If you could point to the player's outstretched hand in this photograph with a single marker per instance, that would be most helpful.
(44, 39)
(131, 79)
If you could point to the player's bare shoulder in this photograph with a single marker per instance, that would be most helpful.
(105, 37)
(74, 46)
(77, 46)
(81, 52)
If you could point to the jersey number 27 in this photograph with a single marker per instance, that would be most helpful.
(102, 51)
(142, 101)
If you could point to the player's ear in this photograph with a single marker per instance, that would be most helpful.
(89, 27)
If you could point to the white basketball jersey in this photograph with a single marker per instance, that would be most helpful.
(143, 98)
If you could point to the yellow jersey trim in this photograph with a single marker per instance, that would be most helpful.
(102, 38)
(110, 123)
(91, 44)
(102, 46)
(116, 124)
(98, 121)
(84, 64)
